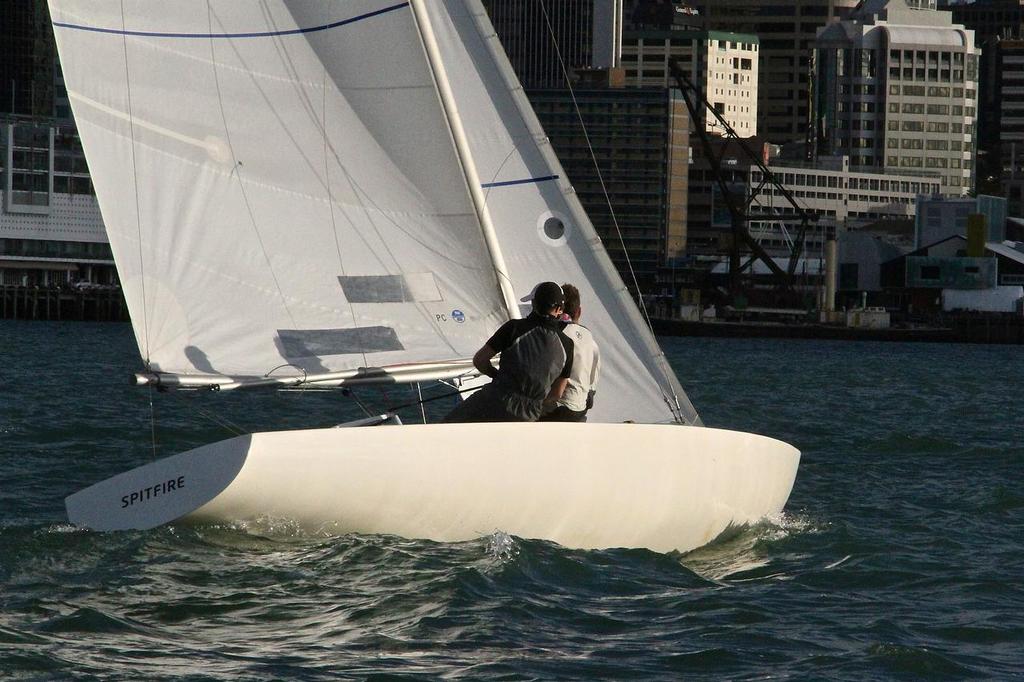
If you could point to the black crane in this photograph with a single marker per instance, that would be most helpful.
(740, 206)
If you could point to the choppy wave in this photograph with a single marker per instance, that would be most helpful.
(897, 558)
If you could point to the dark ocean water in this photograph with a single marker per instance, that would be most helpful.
(900, 555)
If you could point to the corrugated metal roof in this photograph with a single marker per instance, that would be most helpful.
(1007, 251)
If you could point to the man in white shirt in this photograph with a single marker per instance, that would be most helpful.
(578, 396)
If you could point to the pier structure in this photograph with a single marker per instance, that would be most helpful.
(99, 304)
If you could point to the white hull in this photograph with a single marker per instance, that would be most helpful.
(588, 486)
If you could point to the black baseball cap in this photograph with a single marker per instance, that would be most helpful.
(546, 296)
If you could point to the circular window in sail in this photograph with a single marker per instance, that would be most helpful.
(553, 228)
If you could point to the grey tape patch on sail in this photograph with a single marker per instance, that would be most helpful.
(390, 288)
(304, 343)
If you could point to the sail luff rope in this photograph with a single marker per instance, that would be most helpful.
(135, 182)
(597, 168)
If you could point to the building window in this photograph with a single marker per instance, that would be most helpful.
(848, 278)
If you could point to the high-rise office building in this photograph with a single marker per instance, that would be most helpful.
(786, 33)
(546, 38)
(723, 66)
(634, 143)
(27, 58)
(988, 18)
(1010, 96)
(992, 21)
(897, 90)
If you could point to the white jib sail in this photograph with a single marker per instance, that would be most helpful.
(278, 183)
(544, 232)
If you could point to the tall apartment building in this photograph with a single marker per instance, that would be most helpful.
(27, 58)
(723, 66)
(640, 137)
(992, 21)
(786, 32)
(988, 18)
(898, 91)
(542, 37)
(1010, 97)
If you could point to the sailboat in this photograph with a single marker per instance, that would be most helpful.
(324, 193)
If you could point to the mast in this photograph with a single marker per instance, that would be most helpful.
(462, 149)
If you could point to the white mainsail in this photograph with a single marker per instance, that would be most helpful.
(281, 187)
(278, 184)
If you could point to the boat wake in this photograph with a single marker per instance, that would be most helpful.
(502, 546)
(747, 552)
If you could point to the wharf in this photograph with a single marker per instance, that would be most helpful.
(957, 329)
(102, 304)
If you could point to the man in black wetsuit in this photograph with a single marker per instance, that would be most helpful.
(536, 361)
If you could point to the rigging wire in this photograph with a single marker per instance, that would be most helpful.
(135, 182)
(138, 223)
(419, 394)
(236, 171)
(152, 422)
(349, 393)
(224, 422)
(597, 168)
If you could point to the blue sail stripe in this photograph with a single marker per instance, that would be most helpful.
(259, 34)
(525, 181)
